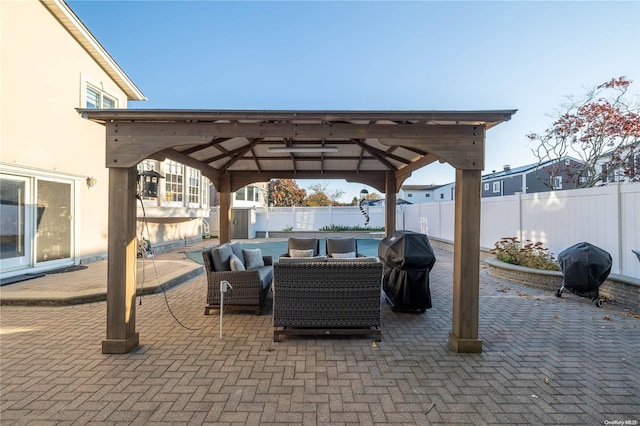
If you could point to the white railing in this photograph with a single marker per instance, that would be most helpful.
(608, 217)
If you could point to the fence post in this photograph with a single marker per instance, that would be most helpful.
(618, 217)
(293, 218)
(520, 224)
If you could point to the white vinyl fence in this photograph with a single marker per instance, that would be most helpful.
(608, 217)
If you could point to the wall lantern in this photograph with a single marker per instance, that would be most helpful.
(150, 180)
(91, 182)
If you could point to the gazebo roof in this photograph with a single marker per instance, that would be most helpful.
(250, 146)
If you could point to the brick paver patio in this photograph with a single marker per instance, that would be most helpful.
(545, 361)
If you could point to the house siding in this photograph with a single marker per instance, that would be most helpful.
(42, 134)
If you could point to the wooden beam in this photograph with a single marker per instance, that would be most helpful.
(128, 143)
(121, 270)
(405, 172)
(375, 179)
(377, 154)
(390, 203)
(225, 208)
(209, 172)
(462, 152)
(466, 263)
(214, 142)
(237, 154)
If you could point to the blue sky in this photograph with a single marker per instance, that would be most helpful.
(359, 55)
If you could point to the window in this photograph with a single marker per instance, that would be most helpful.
(174, 181)
(496, 186)
(97, 99)
(250, 190)
(634, 165)
(486, 186)
(205, 192)
(240, 194)
(441, 196)
(193, 186)
(607, 176)
(557, 182)
(427, 195)
(409, 195)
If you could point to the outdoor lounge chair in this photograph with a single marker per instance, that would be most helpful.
(342, 247)
(298, 247)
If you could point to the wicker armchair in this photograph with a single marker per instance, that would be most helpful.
(250, 287)
(327, 298)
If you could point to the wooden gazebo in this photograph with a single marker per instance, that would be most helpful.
(234, 148)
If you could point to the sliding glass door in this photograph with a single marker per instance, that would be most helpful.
(54, 221)
(15, 216)
(36, 221)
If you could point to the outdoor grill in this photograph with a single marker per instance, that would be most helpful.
(584, 267)
(407, 259)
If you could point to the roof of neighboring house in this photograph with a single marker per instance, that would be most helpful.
(419, 187)
(83, 36)
(522, 169)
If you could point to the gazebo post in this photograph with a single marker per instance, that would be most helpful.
(225, 208)
(390, 203)
(121, 273)
(466, 259)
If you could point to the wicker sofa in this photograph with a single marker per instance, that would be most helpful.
(320, 298)
(249, 287)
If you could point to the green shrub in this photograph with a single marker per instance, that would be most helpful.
(531, 255)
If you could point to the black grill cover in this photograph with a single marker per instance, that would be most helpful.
(407, 258)
(407, 250)
(584, 268)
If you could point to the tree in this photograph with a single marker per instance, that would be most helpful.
(321, 198)
(285, 193)
(317, 199)
(602, 125)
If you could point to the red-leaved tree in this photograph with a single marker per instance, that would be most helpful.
(601, 129)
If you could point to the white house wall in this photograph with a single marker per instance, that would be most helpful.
(43, 69)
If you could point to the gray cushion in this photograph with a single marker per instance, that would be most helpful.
(349, 255)
(312, 259)
(236, 264)
(300, 253)
(253, 258)
(352, 259)
(237, 250)
(266, 276)
(221, 257)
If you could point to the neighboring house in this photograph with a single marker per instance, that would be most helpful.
(416, 194)
(53, 180)
(630, 172)
(557, 174)
(445, 192)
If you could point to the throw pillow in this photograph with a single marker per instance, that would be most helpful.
(253, 258)
(349, 255)
(300, 253)
(236, 263)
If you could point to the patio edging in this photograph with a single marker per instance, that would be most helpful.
(618, 288)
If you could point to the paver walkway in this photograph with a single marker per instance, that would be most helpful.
(545, 361)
